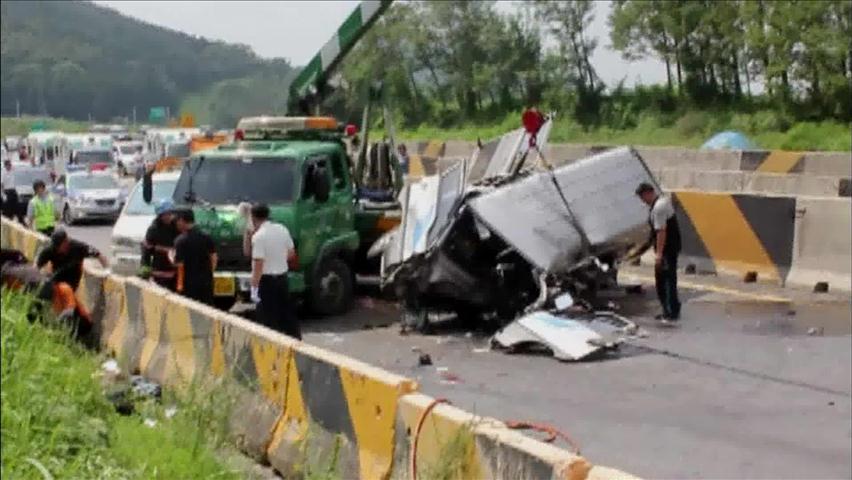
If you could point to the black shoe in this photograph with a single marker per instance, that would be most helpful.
(660, 316)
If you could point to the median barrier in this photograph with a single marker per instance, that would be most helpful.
(822, 250)
(827, 163)
(298, 406)
(737, 233)
(730, 181)
(452, 443)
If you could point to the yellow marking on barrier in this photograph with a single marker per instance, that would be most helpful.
(433, 149)
(217, 352)
(31, 245)
(415, 166)
(152, 315)
(115, 291)
(372, 408)
(779, 161)
(292, 426)
(181, 345)
(711, 288)
(437, 433)
(83, 293)
(726, 234)
(270, 364)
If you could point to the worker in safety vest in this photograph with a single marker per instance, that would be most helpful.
(41, 211)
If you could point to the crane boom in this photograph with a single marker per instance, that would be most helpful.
(310, 83)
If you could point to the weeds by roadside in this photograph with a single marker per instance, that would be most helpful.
(56, 422)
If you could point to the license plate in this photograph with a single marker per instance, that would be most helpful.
(224, 286)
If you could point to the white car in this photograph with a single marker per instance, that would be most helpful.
(88, 195)
(129, 231)
(128, 156)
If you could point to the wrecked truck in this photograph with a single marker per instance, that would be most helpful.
(518, 237)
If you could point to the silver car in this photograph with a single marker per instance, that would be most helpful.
(88, 195)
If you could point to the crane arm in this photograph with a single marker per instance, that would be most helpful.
(309, 85)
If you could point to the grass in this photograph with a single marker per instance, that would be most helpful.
(56, 422)
(22, 126)
(768, 129)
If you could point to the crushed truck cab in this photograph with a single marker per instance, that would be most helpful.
(299, 166)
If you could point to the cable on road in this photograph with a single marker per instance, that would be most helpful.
(416, 438)
(552, 431)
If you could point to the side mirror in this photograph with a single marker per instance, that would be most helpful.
(321, 184)
(148, 185)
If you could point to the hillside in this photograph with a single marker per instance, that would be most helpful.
(75, 59)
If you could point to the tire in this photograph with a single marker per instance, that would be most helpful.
(331, 287)
(67, 218)
(224, 303)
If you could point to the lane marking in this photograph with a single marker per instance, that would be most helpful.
(713, 288)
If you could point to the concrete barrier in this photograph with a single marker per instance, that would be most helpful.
(455, 444)
(730, 181)
(297, 405)
(822, 250)
(737, 233)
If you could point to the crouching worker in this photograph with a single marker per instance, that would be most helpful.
(63, 258)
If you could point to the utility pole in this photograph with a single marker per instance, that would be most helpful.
(17, 108)
(134, 115)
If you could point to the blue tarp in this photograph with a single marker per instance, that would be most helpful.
(729, 140)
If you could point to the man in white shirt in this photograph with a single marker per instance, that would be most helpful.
(272, 249)
(665, 237)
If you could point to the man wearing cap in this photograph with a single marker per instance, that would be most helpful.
(41, 211)
(665, 237)
(159, 242)
(65, 256)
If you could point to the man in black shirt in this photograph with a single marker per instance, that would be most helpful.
(159, 241)
(65, 256)
(195, 259)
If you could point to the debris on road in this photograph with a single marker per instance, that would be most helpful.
(570, 338)
(510, 243)
(424, 360)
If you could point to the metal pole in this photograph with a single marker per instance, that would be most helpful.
(134, 115)
(18, 108)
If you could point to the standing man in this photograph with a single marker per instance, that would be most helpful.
(271, 250)
(41, 211)
(402, 155)
(159, 242)
(665, 237)
(195, 259)
(10, 195)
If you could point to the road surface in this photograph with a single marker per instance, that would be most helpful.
(740, 390)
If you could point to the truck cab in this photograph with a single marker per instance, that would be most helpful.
(299, 166)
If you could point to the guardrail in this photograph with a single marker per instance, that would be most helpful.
(292, 392)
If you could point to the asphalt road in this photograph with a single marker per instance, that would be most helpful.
(739, 390)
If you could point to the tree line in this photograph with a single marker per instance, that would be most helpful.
(78, 60)
(453, 61)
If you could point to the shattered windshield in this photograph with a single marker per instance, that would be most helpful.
(136, 203)
(233, 180)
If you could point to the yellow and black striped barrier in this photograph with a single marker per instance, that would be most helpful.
(737, 233)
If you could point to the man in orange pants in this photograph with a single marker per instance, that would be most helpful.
(65, 256)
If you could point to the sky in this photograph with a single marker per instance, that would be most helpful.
(295, 30)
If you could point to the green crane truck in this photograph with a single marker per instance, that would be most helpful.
(335, 200)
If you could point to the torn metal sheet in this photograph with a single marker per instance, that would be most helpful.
(503, 155)
(569, 339)
(554, 219)
(450, 190)
(420, 212)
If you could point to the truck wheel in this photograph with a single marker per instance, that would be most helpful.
(331, 287)
(67, 218)
(224, 303)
